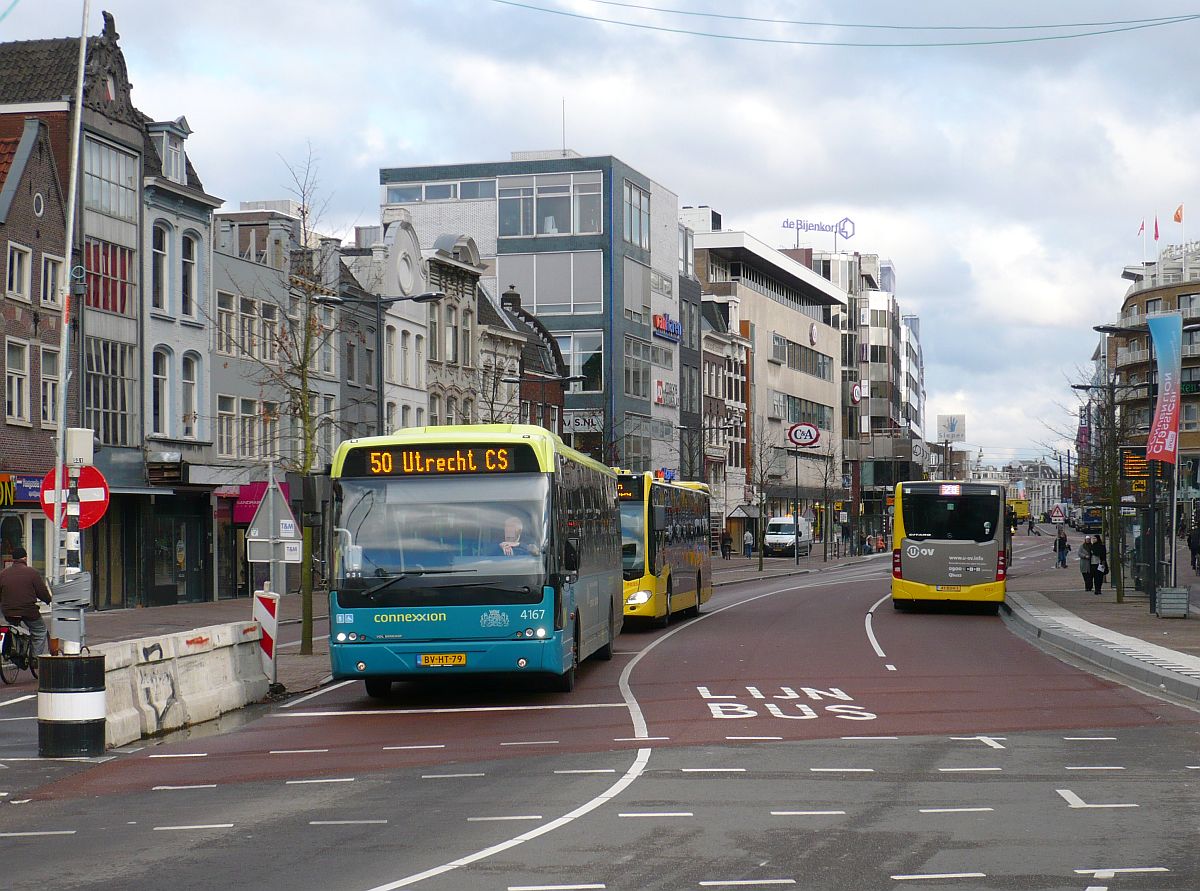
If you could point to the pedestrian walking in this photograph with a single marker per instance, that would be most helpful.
(1085, 562)
(21, 587)
(748, 543)
(726, 545)
(1193, 541)
(1062, 547)
(1099, 565)
(1030, 526)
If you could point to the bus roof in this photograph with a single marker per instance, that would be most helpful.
(658, 481)
(545, 444)
(935, 485)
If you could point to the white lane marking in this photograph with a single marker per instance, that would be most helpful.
(871, 632)
(1075, 801)
(37, 834)
(17, 699)
(449, 776)
(754, 738)
(712, 770)
(591, 770)
(1112, 872)
(533, 742)
(195, 826)
(1093, 768)
(556, 887)
(477, 710)
(990, 741)
(178, 788)
(327, 780)
(969, 769)
(639, 738)
(22, 718)
(842, 769)
(181, 755)
(504, 819)
(940, 875)
(635, 770)
(297, 751)
(890, 667)
(746, 883)
(808, 813)
(1089, 738)
(346, 822)
(314, 695)
(1193, 766)
(409, 748)
(870, 737)
(656, 814)
(625, 652)
(954, 810)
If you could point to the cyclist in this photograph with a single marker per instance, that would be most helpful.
(21, 587)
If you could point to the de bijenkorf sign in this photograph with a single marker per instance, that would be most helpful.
(844, 227)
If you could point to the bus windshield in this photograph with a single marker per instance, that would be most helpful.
(928, 515)
(433, 542)
(633, 539)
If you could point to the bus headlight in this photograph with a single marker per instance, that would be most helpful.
(639, 597)
(341, 638)
(541, 632)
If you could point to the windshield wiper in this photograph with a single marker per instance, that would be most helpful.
(387, 583)
(507, 589)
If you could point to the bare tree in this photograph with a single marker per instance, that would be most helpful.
(829, 476)
(764, 467)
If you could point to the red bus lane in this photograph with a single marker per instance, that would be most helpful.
(801, 664)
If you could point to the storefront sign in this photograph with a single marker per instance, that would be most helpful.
(666, 393)
(249, 496)
(843, 227)
(583, 421)
(667, 327)
(19, 488)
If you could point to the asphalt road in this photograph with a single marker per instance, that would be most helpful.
(800, 734)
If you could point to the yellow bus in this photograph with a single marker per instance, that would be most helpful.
(949, 543)
(665, 546)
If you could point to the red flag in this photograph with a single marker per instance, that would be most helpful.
(1179, 214)
(1156, 227)
(1142, 228)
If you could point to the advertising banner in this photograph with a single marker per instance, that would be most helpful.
(1167, 333)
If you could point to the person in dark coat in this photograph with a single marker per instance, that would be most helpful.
(726, 545)
(1193, 541)
(1061, 548)
(21, 587)
(1099, 564)
(1085, 562)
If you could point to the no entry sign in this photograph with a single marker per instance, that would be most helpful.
(93, 496)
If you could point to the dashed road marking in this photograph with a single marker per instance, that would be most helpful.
(990, 741)
(746, 883)
(1089, 738)
(870, 737)
(178, 788)
(639, 738)
(325, 780)
(590, 770)
(37, 834)
(969, 769)
(194, 827)
(1113, 872)
(955, 810)
(449, 776)
(473, 710)
(556, 887)
(808, 813)
(533, 742)
(1075, 801)
(17, 699)
(297, 751)
(410, 748)
(181, 755)
(754, 738)
(842, 769)
(712, 770)
(1098, 767)
(505, 819)
(346, 822)
(656, 814)
(940, 875)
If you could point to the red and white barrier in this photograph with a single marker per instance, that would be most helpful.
(266, 613)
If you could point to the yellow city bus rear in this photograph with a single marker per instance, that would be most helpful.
(949, 543)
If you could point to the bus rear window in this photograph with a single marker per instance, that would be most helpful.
(960, 518)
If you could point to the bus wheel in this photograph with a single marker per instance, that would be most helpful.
(696, 609)
(378, 688)
(902, 606)
(665, 620)
(605, 653)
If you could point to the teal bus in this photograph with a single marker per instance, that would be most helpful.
(490, 548)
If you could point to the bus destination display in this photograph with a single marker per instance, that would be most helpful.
(629, 488)
(440, 460)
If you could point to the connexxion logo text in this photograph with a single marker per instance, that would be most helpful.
(384, 618)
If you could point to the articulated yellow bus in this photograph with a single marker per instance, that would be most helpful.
(665, 546)
(949, 543)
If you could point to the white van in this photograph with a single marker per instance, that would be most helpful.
(780, 537)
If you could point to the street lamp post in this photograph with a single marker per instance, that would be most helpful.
(379, 302)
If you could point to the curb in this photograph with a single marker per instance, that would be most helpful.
(1130, 658)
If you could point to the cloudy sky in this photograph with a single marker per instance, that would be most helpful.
(1006, 182)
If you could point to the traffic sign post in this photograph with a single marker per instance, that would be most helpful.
(273, 536)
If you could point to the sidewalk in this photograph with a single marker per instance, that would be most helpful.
(1044, 603)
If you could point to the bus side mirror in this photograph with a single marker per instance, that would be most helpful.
(571, 555)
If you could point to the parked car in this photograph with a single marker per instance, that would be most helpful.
(780, 538)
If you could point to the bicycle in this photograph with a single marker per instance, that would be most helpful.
(16, 652)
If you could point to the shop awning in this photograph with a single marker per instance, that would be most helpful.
(748, 511)
(139, 490)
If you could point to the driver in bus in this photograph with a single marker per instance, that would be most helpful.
(512, 544)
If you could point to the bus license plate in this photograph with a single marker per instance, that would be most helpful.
(949, 587)
(440, 659)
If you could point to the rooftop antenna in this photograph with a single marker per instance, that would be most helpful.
(564, 126)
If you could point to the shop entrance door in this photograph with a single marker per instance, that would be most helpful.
(178, 561)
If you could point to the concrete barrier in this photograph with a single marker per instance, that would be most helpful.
(157, 684)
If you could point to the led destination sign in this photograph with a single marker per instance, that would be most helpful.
(440, 460)
(629, 488)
